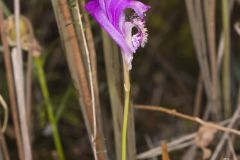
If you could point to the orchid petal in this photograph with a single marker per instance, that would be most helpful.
(94, 9)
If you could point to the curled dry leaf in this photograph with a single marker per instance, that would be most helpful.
(28, 40)
(204, 137)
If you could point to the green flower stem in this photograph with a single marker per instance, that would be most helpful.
(49, 107)
(126, 110)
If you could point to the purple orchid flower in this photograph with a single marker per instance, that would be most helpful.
(110, 14)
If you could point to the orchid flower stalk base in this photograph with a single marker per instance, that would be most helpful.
(126, 109)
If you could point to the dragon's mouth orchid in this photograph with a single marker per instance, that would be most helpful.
(110, 14)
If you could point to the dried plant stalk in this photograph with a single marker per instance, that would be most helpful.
(19, 82)
(18, 76)
(78, 73)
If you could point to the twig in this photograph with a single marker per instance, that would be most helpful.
(11, 85)
(187, 117)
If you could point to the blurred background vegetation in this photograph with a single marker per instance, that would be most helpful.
(165, 73)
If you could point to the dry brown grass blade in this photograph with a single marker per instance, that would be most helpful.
(11, 85)
(92, 52)
(78, 73)
(197, 27)
(209, 8)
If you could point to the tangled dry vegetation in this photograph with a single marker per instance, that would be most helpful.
(62, 83)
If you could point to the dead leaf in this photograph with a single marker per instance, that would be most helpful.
(204, 137)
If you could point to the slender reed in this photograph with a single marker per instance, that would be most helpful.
(49, 107)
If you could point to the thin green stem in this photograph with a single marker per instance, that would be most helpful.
(49, 107)
(126, 110)
(226, 59)
(63, 103)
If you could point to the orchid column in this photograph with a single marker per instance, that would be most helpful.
(111, 16)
